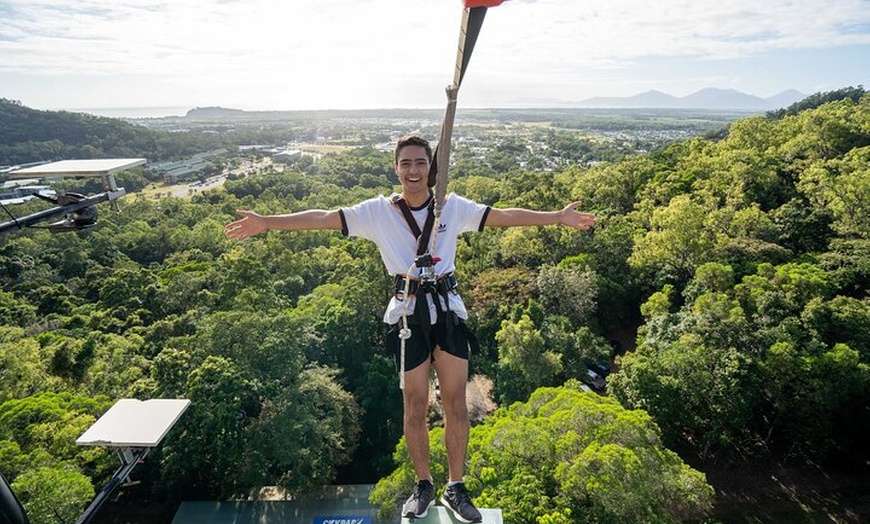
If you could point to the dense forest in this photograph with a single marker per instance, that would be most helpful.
(740, 259)
(30, 135)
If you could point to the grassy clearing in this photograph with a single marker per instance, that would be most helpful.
(157, 190)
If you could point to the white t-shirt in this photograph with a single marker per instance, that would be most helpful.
(381, 221)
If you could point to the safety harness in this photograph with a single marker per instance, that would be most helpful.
(426, 284)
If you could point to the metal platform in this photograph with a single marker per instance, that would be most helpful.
(441, 515)
(78, 168)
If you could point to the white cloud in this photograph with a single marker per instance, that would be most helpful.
(568, 43)
(343, 53)
(604, 31)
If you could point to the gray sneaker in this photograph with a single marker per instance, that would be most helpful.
(457, 500)
(421, 499)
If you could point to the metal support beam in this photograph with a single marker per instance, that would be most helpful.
(130, 458)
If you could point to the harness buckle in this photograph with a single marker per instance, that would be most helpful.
(443, 285)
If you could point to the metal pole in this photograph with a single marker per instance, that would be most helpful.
(28, 220)
(127, 465)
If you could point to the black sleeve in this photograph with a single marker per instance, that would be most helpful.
(483, 218)
(343, 222)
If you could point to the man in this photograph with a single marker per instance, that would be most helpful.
(402, 227)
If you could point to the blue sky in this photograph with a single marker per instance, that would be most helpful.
(315, 54)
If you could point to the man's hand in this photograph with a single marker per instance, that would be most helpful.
(251, 224)
(573, 218)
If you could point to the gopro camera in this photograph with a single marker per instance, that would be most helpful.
(427, 268)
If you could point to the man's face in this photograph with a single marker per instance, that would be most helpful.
(412, 168)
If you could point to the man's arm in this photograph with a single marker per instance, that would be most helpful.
(252, 224)
(526, 217)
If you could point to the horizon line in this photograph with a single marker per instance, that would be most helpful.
(549, 104)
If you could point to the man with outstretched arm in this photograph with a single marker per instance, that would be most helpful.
(401, 226)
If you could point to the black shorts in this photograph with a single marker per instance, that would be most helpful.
(455, 338)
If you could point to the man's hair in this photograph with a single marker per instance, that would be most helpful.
(413, 140)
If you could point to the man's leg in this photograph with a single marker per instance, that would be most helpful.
(452, 377)
(416, 403)
(416, 400)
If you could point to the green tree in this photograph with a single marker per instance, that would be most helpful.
(842, 186)
(698, 394)
(23, 367)
(523, 355)
(565, 454)
(49, 493)
(677, 241)
(47, 421)
(765, 363)
(265, 347)
(305, 433)
(14, 311)
(802, 227)
(810, 395)
(611, 188)
(206, 460)
(491, 296)
(619, 290)
(570, 291)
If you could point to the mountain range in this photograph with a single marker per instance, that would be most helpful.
(709, 98)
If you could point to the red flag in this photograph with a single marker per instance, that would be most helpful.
(482, 3)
